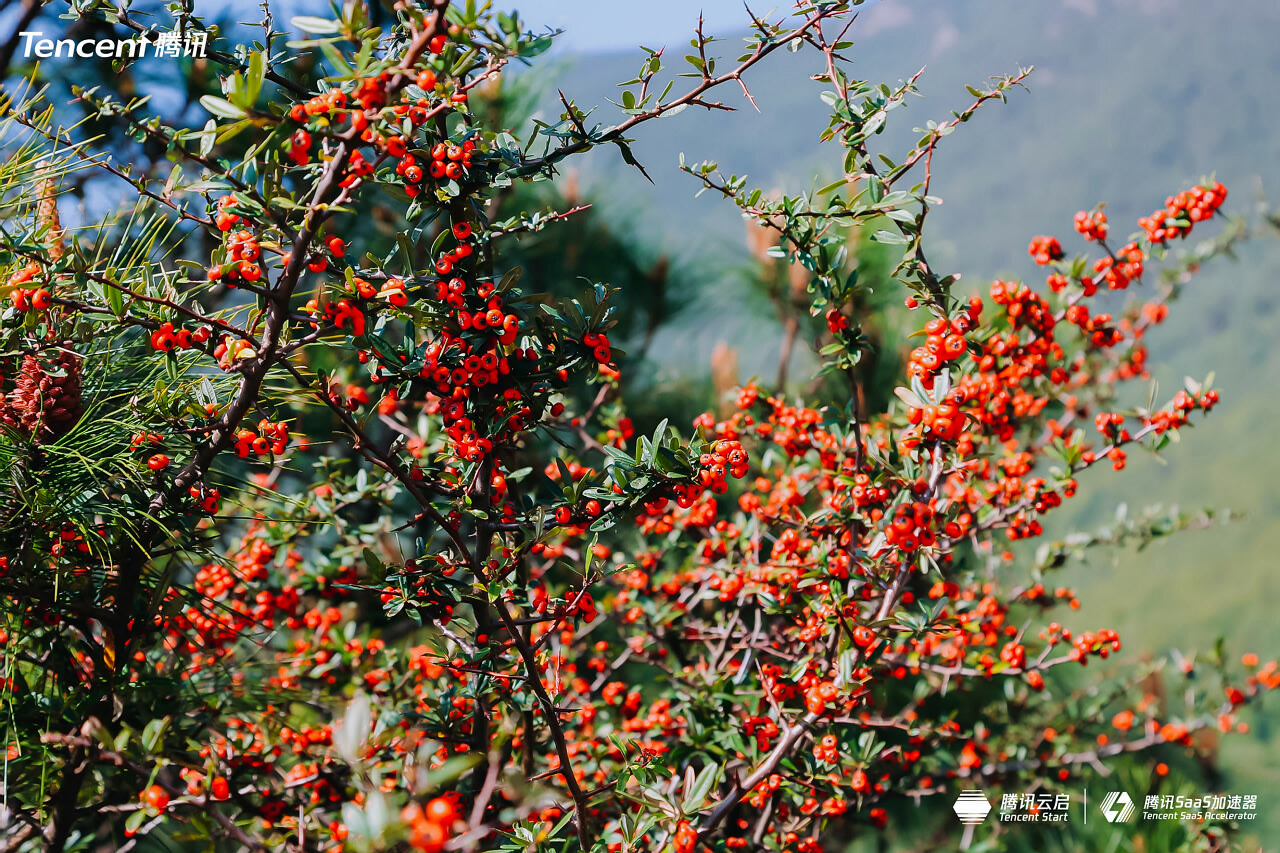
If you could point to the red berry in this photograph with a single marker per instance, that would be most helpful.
(156, 797)
(442, 810)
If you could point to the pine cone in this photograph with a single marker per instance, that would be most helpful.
(43, 405)
(47, 214)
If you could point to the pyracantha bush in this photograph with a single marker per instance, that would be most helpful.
(321, 536)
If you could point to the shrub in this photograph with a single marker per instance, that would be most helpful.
(319, 539)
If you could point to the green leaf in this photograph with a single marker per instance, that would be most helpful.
(909, 397)
(234, 130)
(134, 821)
(253, 81)
(115, 300)
(384, 349)
(535, 47)
(335, 56)
(889, 238)
(509, 279)
(832, 187)
(154, 733)
(660, 432)
(604, 522)
(406, 249)
(221, 107)
(701, 787)
(566, 479)
(312, 24)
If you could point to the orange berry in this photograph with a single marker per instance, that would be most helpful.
(156, 797)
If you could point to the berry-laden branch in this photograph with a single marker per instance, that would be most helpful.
(768, 39)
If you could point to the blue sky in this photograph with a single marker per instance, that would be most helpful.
(604, 25)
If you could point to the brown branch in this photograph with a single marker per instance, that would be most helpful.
(692, 96)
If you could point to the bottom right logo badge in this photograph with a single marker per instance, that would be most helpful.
(1117, 807)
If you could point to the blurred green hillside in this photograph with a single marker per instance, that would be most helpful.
(1130, 102)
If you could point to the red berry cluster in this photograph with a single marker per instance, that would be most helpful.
(341, 314)
(206, 498)
(837, 322)
(866, 494)
(581, 605)
(218, 789)
(449, 161)
(725, 457)
(24, 299)
(32, 300)
(1024, 526)
(455, 365)
(146, 438)
(937, 422)
(1097, 328)
(370, 96)
(504, 325)
(168, 338)
(911, 527)
(319, 106)
(1182, 211)
(1045, 250)
(1102, 643)
(233, 598)
(270, 439)
(818, 695)
(1182, 405)
(430, 828)
(1092, 225)
(763, 729)
(392, 291)
(945, 342)
(243, 254)
(447, 260)
(598, 343)
(1025, 308)
(1123, 267)
(359, 167)
(1111, 425)
(225, 219)
(230, 351)
(685, 839)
